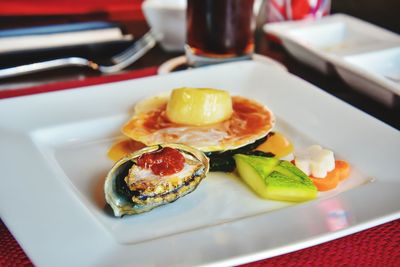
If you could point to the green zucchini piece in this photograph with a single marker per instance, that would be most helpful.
(275, 179)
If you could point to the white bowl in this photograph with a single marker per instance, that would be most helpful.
(168, 19)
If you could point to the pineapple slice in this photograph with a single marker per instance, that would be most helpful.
(199, 106)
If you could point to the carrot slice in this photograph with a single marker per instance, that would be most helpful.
(343, 167)
(330, 181)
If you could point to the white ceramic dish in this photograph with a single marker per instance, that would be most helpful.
(53, 163)
(316, 41)
(375, 73)
(358, 51)
(168, 19)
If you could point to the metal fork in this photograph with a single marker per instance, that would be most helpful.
(119, 61)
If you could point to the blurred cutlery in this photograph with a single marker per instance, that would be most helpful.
(119, 61)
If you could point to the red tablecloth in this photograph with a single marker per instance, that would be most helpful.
(378, 246)
(118, 10)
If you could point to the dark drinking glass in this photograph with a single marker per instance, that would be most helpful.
(219, 30)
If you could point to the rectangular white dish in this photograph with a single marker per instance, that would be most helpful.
(375, 73)
(330, 43)
(54, 161)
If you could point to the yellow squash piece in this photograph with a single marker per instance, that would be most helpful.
(275, 179)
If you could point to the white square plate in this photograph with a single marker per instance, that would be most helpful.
(329, 43)
(53, 163)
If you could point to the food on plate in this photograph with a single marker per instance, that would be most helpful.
(332, 178)
(320, 165)
(199, 106)
(275, 179)
(343, 169)
(174, 139)
(224, 162)
(247, 126)
(276, 144)
(314, 160)
(122, 148)
(154, 176)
